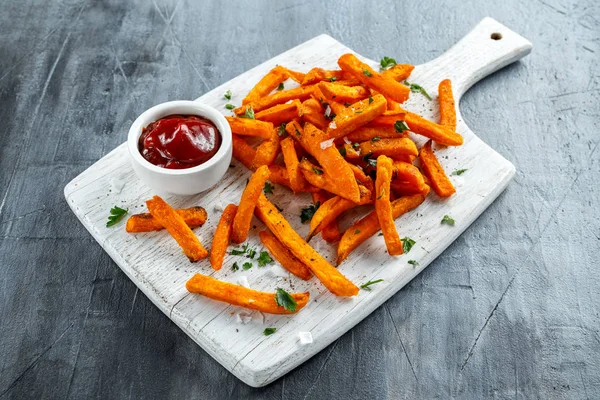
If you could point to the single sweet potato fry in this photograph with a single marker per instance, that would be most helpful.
(440, 182)
(406, 172)
(388, 121)
(383, 206)
(399, 72)
(447, 107)
(290, 157)
(327, 213)
(365, 133)
(315, 177)
(145, 222)
(284, 256)
(301, 93)
(336, 92)
(280, 113)
(356, 115)
(267, 151)
(311, 111)
(250, 127)
(295, 75)
(241, 296)
(389, 147)
(441, 134)
(176, 226)
(403, 188)
(384, 84)
(279, 175)
(222, 236)
(267, 84)
(243, 217)
(331, 232)
(331, 278)
(242, 151)
(369, 225)
(317, 75)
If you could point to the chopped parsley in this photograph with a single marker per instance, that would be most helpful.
(282, 130)
(387, 62)
(285, 300)
(280, 87)
(413, 263)
(297, 132)
(458, 172)
(358, 112)
(343, 151)
(417, 89)
(317, 171)
(264, 258)
(251, 253)
(356, 145)
(447, 220)
(249, 113)
(307, 213)
(356, 232)
(370, 99)
(375, 139)
(268, 188)
(116, 214)
(366, 72)
(400, 126)
(247, 265)
(227, 95)
(235, 267)
(229, 106)
(382, 194)
(407, 244)
(347, 104)
(269, 331)
(333, 79)
(367, 286)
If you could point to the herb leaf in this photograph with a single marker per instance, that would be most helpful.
(417, 89)
(343, 151)
(333, 79)
(400, 126)
(247, 265)
(366, 72)
(251, 253)
(116, 214)
(375, 139)
(307, 213)
(268, 188)
(458, 172)
(280, 87)
(227, 95)
(285, 300)
(317, 171)
(235, 267)
(448, 220)
(229, 106)
(414, 263)
(249, 113)
(387, 62)
(282, 130)
(407, 244)
(264, 258)
(269, 331)
(370, 99)
(367, 286)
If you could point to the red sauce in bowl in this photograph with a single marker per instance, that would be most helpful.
(179, 141)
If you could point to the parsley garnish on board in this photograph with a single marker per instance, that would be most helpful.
(448, 220)
(235, 267)
(417, 89)
(249, 113)
(459, 172)
(251, 253)
(116, 214)
(413, 263)
(367, 286)
(366, 72)
(227, 95)
(269, 331)
(247, 265)
(268, 188)
(263, 259)
(400, 126)
(285, 300)
(407, 244)
(229, 106)
(387, 62)
(307, 213)
(280, 87)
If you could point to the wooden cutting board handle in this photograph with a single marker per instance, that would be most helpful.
(487, 48)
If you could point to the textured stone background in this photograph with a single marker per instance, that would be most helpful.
(510, 310)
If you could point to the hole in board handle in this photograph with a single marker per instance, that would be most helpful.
(496, 36)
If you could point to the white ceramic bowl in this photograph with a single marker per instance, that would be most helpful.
(181, 181)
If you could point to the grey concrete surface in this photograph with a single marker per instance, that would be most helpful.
(510, 310)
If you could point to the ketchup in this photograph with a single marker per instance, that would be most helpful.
(179, 141)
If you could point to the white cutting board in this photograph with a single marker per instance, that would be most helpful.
(155, 263)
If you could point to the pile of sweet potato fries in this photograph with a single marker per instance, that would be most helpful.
(343, 136)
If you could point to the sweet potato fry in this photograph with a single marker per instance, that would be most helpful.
(296, 76)
(297, 181)
(383, 206)
(301, 93)
(176, 226)
(145, 222)
(279, 175)
(403, 188)
(369, 225)
(221, 238)
(267, 151)
(284, 256)
(267, 84)
(242, 151)
(241, 296)
(243, 217)
(356, 115)
(399, 72)
(406, 172)
(440, 182)
(279, 113)
(366, 133)
(331, 278)
(441, 134)
(327, 213)
(311, 111)
(331, 232)
(384, 84)
(387, 121)
(250, 127)
(389, 147)
(315, 177)
(333, 164)
(350, 94)
(317, 75)
(447, 108)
